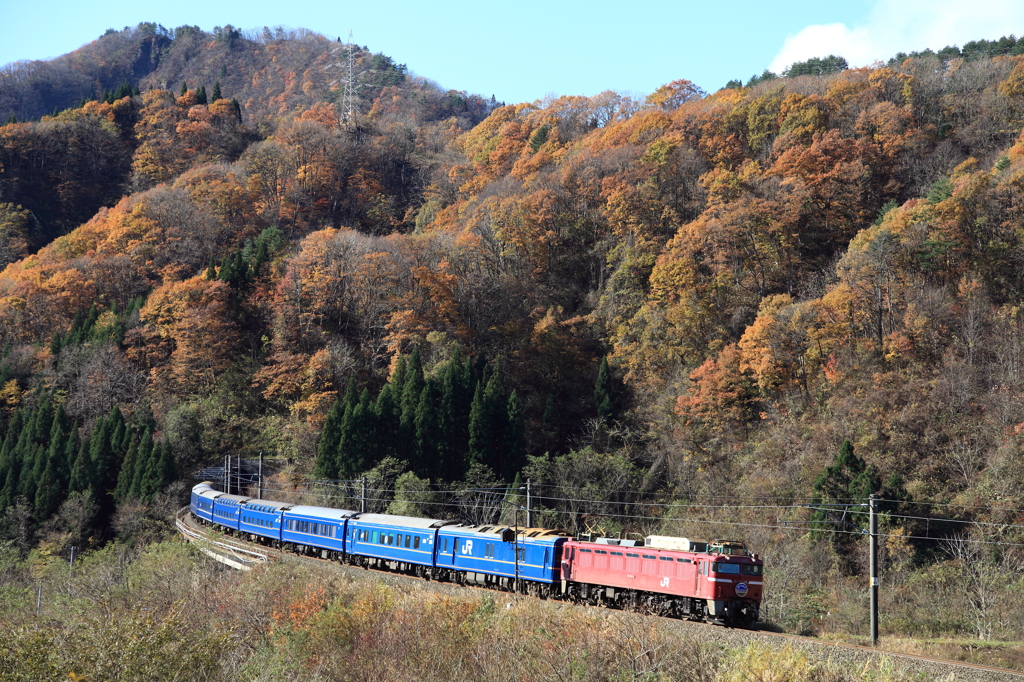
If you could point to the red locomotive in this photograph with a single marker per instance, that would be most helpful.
(716, 580)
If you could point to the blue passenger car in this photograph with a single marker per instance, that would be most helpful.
(320, 527)
(263, 518)
(484, 550)
(201, 503)
(404, 539)
(227, 508)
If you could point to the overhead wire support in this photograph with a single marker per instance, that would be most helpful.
(348, 98)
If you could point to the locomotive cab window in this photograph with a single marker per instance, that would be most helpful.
(750, 569)
(721, 567)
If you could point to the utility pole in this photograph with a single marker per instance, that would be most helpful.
(516, 548)
(71, 568)
(529, 503)
(873, 530)
(261, 476)
(362, 497)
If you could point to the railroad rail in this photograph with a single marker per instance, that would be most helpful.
(228, 550)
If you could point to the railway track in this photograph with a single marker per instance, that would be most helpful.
(243, 555)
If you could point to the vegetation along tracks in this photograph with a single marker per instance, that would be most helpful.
(243, 555)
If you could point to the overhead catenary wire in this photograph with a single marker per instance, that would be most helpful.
(795, 526)
(790, 499)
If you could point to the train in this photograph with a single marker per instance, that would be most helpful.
(717, 581)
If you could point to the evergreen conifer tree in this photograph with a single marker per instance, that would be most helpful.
(184, 89)
(143, 464)
(201, 95)
(478, 453)
(216, 92)
(848, 479)
(71, 448)
(357, 434)
(42, 421)
(411, 390)
(428, 433)
(48, 492)
(7, 493)
(127, 474)
(56, 344)
(397, 379)
(32, 471)
(81, 471)
(387, 417)
(327, 447)
(89, 323)
(103, 460)
(167, 465)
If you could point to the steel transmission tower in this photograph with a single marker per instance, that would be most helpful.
(347, 77)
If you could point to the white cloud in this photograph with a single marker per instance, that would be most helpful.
(904, 26)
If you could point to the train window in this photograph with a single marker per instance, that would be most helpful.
(632, 556)
(666, 558)
(600, 551)
(373, 537)
(750, 569)
(391, 539)
(616, 553)
(585, 550)
(684, 561)
(650, 556)
(416, 542)
(721, 567)
(408, 540)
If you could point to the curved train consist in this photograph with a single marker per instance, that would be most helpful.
(717, 581)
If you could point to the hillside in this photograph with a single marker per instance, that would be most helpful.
(692, 299)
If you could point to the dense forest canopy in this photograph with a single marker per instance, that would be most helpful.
(702, 294)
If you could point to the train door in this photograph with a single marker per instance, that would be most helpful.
(697, 575)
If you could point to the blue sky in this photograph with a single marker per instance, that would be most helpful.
(523, 51)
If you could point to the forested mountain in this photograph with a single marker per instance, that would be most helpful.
(683, 296)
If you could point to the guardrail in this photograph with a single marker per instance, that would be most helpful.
(227, 554)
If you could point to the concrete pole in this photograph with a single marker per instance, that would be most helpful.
(529, 503)
(261, 476)
(872, 509)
